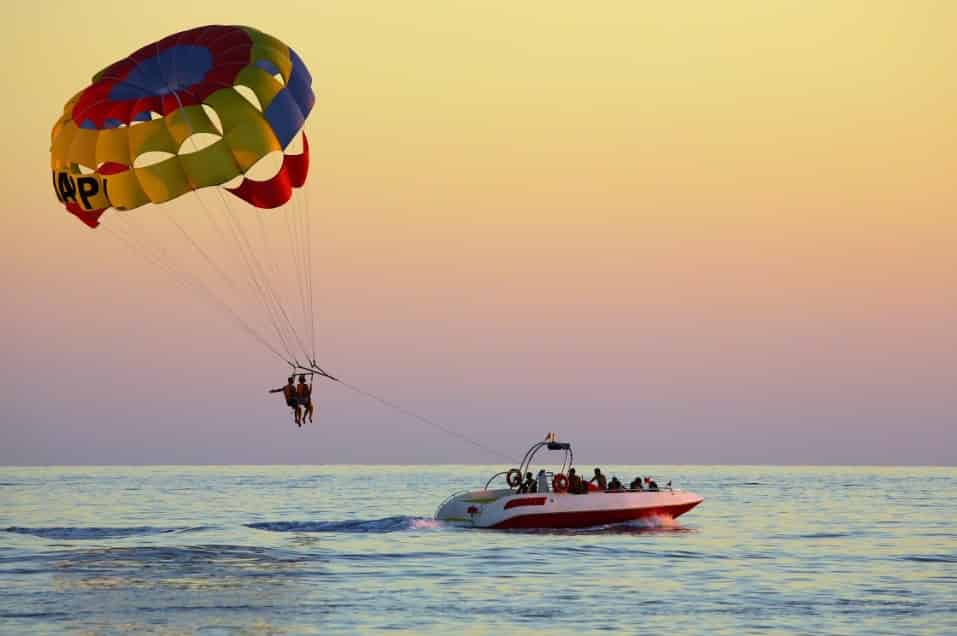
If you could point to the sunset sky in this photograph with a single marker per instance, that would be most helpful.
(705, 232)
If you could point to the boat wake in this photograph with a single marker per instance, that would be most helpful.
(370, 526)
(82, 534)
(644, 525)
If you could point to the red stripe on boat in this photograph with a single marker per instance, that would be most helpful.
(528, 501)
(588, 518)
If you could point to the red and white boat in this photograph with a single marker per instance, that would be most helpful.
(552, 506)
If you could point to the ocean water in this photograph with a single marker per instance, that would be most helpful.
(354, 549)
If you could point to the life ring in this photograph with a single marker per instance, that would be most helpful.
(559, 483)
(514, 477)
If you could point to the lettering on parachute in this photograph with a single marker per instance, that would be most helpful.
(87, 191)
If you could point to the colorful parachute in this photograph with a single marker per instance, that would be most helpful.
(196, 109)
(215, 108)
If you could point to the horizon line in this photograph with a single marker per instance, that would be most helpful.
(264, 465)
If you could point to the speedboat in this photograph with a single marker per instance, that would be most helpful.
(547, 502)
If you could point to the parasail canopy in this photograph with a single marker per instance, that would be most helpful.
(197, 109)
(217, 108)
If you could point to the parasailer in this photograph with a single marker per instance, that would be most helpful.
(292, 401)
(304, 397)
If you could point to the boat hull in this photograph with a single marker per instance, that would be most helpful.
(503, 509)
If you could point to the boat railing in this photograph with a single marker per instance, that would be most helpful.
(492, 478)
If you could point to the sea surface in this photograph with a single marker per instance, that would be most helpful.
(355, 549)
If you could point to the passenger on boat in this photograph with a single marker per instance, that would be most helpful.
(614, 484)
(575, 483)
(600, 478)
(652, 486)
(542, 481)
(636, 484)
(528, 485)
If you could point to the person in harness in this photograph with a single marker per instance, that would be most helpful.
(304, 398)
(292, 401)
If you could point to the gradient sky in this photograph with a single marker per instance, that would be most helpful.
(673, 233)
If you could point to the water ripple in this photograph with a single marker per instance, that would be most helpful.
(243, 549)
(388, 524)
(82, 534)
